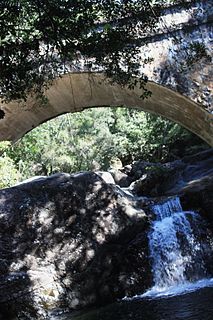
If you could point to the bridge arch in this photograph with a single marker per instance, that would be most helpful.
(77, 91)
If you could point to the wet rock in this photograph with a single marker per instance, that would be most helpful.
(198, 196)
(69, 241)
(155, 179)
(120, 178)
(191, 178)
(106, 176)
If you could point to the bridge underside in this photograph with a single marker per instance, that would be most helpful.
(77, 91)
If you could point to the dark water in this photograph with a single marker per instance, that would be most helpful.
(196, 305)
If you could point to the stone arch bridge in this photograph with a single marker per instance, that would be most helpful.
(183, 95)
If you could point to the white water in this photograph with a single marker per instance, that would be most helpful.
(177, 251)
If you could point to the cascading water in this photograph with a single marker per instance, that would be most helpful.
(179, 249)
(181, 252)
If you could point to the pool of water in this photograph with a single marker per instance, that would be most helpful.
(197, 305)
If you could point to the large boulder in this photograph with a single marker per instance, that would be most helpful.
(191, 178)
(69, 241)
(156, 179)
(198, 196)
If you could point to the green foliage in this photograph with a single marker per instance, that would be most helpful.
(4, 145)
(93, 138)
(40, 40)
(9, 175)
(167, 141)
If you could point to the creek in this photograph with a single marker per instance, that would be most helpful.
(180, 251)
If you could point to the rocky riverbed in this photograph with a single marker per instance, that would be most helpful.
(72, 241)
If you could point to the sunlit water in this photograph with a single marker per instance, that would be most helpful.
(180, 250)
(182, 286)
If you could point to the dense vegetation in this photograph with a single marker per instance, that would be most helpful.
(90, 140)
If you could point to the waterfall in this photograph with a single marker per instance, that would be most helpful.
(179, 248)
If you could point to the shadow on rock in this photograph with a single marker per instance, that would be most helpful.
(69, 241)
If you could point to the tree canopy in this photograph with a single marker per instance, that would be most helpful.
(41, 39)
